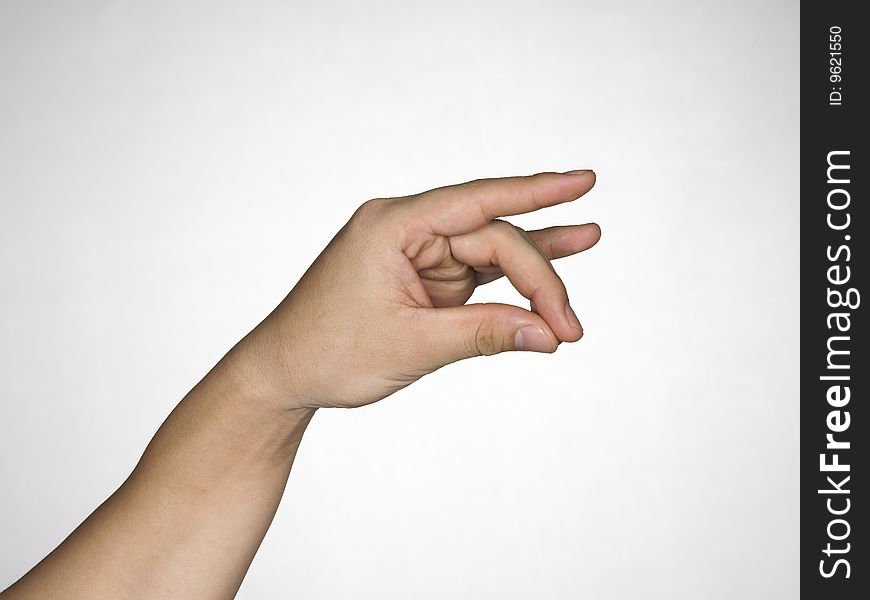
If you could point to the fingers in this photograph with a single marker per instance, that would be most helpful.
(502, 245)
(459, 332)
(459, 209)
(554, 242)
(565, 240)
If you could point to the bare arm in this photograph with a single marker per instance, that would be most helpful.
(383, 305)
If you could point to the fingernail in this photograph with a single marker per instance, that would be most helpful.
(578, 172)
(532, 338)
(573, 321)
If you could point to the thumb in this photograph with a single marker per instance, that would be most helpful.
(484, 329)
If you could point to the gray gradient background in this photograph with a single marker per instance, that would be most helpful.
(168, 170)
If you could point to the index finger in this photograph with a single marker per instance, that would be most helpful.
(466, 207)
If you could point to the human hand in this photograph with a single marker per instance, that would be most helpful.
(384, 303)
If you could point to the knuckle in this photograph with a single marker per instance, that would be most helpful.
(487, 341)
(504, 227)
(508, 231)
(370, 208)
(370, 214)
(476, 183)
(546, 245)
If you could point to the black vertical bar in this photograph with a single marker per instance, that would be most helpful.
(835, 368)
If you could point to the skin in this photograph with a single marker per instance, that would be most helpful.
(382, 306)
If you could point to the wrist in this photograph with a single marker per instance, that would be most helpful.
(259, 370)
(247, 407)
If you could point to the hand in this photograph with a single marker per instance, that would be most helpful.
(384, 304)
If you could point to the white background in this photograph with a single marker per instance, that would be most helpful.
(168, 171)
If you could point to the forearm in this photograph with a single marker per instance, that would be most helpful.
(189, 519)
